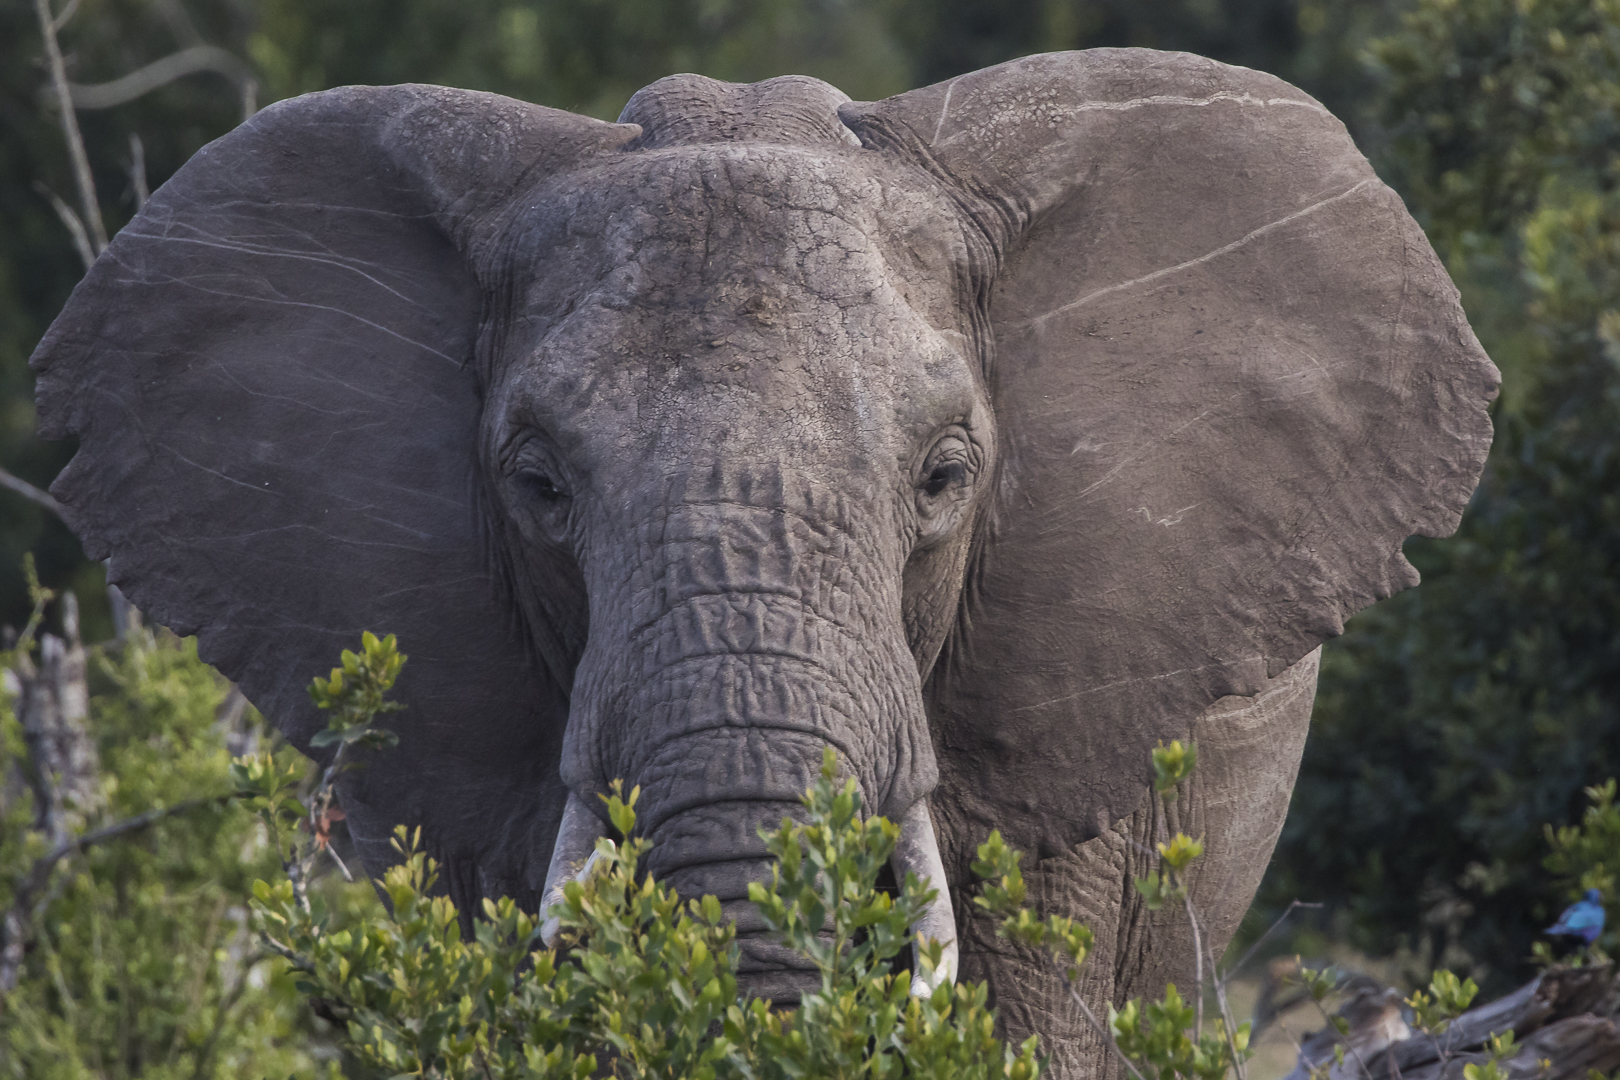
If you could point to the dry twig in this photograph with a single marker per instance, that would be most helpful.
(137, 171)
(1102, 1033)
(165, 70)
(16, 483)
(89, 206)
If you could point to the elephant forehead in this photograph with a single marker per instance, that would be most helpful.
(747, 291)
(686, 225)
(802, 374)
(722, 187)
(718, 220)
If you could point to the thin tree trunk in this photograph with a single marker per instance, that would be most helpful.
(53, 708)
(89, 204)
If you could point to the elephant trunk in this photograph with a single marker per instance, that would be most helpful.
(742, 637)
(766, 969)
(753, 729)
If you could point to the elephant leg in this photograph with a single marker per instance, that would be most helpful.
(1248, 756)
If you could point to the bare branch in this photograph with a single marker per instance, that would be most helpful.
(1356, 1053)
(75, 227)
(125, 615)
(346, 875)
(302, 963)
(23, 487)
(1261, 940)
(1104, 1035)
(89, 207)
(67, 13)
(137, 170)
(53, 704)
(143, 80)
(1198, 961)
(1226, 1015)
(134, 824)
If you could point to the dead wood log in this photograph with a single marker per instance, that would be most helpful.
(1563, 1050)
(1562, 1016)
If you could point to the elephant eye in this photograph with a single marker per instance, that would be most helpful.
(540, 486)
(941, 478)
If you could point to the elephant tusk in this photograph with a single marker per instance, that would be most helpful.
(918, 853)
(573, 857)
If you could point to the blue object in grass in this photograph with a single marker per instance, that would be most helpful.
(1582, 919)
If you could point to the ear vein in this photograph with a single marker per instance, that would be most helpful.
(1270, 226)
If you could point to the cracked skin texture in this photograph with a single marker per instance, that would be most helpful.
(990, 434)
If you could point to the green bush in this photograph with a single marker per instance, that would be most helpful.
(139, 956)
(142, 959)
(144, 963)
(645, 983)
(1587, 856)
(647, 978)
(141, 962)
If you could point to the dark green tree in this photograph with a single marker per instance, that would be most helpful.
(579, 55)
(1457, 718)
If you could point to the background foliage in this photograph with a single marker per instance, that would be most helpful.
(143, 964)
(1454, 719)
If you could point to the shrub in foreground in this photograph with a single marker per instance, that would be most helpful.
(133, 955)
(644, 983)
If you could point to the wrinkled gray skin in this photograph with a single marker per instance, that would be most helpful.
(988, 434)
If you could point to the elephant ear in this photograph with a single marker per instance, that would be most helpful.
(1230, 379)
(270, 375)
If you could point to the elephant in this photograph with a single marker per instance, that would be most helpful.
(989, 434)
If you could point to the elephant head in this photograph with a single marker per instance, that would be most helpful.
(988, 434)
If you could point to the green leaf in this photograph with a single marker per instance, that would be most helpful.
(1172, 764)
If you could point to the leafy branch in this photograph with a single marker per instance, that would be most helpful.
(642, 979)
(356, 695)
